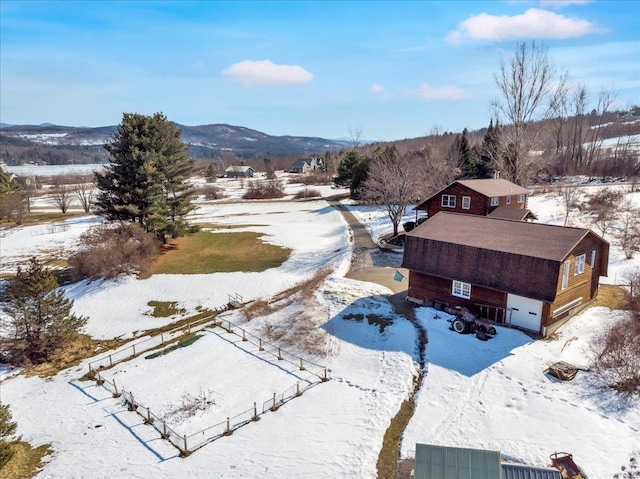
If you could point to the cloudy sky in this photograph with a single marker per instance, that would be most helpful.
(390, 70)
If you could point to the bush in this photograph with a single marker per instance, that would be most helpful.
(7, 429)
(211, 192)
(604, 199)
(617, 357)
(408, 226)
(307, 193)
(112, 250)
(264, 190)
(316, 178)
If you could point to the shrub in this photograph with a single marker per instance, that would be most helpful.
(604, 199)
(211, 192)
(264, 190)
(408, 226)
(316, 178)
(616, 357)
(7, 429)
(112, 250)
(307, 193)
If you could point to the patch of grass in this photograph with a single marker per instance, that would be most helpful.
(43, 217)
(387, 465)
(372, 319)
(188, 341)
(205, 252)
(70, 354)
(26, 461)
(611, 296)
(165, 309)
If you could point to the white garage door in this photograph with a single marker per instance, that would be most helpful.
(525, 312)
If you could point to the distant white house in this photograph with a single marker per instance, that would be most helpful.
(307, 165)
(237, 171)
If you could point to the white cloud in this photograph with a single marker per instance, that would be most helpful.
(451, 92)
(534, 23)
(377, 88)
(265, 72)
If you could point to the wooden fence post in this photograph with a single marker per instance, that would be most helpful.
(164, 429)
(186, 450)
(324, 376)
(244, 337)
(301, 365)
(298, 389)
(279, 354)
(228, 431)
(110, 361)
(255, 412)
(116, 394)
(149, 420)
(161, 338)
(134, 349)
(99, 381)
(260, 348)
(273, 407)
(132, 404)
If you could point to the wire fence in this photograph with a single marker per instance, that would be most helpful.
(188, 443)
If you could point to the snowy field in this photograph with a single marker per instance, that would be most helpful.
(476, 394)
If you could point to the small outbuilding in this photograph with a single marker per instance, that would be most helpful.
(237, 171)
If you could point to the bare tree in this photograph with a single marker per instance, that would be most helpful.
(83, 191)
(528, 85)
(397, 180)
(629, 233)
(356, 137)
(570, 196)
(62, 195)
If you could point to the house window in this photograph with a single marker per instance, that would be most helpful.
(449, 201)
(495, 201)
(462, 290)
(466, 202)
(593, 259)
(520, 198)
(579, 267)
(508, 200)
(565, 274)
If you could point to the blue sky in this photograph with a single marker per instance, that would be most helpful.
(389, 70)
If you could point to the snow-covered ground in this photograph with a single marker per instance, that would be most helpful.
(477, 394)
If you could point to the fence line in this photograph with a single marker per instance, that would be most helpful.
(187, 444)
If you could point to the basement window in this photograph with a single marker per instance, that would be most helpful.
(448, 201)
(461, 290)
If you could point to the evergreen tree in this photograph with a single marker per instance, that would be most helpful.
(38, 316)
(7, 429)
(352, 171)
(146, 180)
(468, 164)
(489, 151)
(210, 173)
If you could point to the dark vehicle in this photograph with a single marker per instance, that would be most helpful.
(466, 323)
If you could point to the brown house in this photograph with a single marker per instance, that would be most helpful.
(476, 197)
(526, 274)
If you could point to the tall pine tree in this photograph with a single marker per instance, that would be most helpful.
(38, 315)
(489, 151)
(146, 180)
(468, 165)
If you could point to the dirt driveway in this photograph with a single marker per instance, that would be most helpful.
(371, 263)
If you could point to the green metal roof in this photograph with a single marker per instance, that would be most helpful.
(438, 462)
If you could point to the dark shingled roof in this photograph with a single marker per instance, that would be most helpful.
(514, 214)
(518, 257)
(516, 237)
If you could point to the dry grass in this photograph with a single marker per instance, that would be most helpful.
(70, 354)
(43, 217)
(165, 309)
(204, 252)
(26, 461)
(387, 464)
(611, 296)
(257, 309)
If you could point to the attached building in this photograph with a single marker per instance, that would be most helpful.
(527, 274)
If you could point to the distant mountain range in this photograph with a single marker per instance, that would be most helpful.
(54, 144)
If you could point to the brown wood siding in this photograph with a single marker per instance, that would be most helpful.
(478, 206)
(428, 287)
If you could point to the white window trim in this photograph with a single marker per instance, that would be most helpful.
(466, 202)
(447, 203)
(579, 266)
(520, 198)
(495, 201)
(508, 200)
(460, 289)
(593, 259)
(565, 274)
